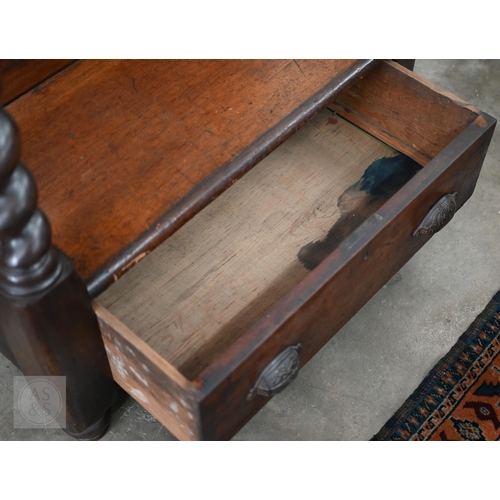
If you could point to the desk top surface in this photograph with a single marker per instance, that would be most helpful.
(125, 152)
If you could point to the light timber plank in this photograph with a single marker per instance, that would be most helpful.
(207, 283)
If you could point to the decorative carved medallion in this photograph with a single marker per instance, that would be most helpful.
(439, 215)
(278, 373)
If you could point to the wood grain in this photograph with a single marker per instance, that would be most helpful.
(405, 111)
(125, 152)
(332, 293)
(55, 334)
(149, 379)
(17, 76)
(46, 322)
(322, 300)
(221, 272)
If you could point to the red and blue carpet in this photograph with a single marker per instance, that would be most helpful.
(459, 400)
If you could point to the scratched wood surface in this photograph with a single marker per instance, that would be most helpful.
(20, 75)
(117, 145)
(217, 275)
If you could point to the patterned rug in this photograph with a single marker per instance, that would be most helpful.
(459, 400)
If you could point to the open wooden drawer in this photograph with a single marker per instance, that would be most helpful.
(222, 314)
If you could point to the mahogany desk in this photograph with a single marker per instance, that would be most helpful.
(143, 262)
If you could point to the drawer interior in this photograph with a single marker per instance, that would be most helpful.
(192, 327)
(224, 269)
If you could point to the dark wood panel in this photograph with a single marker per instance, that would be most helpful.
(125, 152)
(17, 76)
(47, 325)
(332, 293)
(55, 334)
(5, 349)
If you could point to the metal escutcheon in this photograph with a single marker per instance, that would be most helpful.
(439, 215)
(278, 373)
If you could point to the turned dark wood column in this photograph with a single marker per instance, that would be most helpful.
(47, 324)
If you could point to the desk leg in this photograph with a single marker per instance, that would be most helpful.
(47, 323)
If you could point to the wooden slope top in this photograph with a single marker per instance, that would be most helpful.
(125, 152)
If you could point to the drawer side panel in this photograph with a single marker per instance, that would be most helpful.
(405, 111)
(148, 378)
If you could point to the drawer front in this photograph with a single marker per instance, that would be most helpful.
(267, 357)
